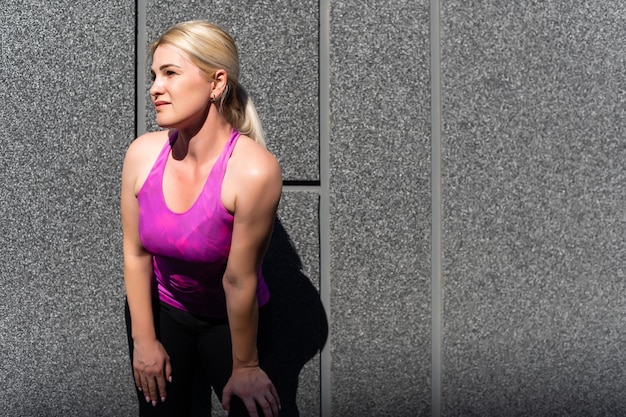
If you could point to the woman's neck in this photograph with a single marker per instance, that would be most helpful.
(201, 144)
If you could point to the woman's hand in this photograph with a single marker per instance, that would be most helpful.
(252, 386)
(151, 368)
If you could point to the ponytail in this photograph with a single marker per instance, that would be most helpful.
(239, 110)
(252, 124)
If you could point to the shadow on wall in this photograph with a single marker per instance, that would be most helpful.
(300, 326)
(300, 322)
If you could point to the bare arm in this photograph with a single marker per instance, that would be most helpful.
(137, 262)
(258, 189)
(150, 361)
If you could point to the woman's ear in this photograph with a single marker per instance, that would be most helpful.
(220, 80)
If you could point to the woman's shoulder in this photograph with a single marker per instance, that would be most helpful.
(141, 156)
(252, 159)
(253, 178)
(148, 143)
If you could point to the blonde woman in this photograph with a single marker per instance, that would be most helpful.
(198, 203)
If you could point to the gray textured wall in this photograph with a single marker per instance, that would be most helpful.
(67, 117)
(533, 201)
(380, 208)
(534, 208)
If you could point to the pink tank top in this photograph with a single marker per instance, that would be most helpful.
(190, 249)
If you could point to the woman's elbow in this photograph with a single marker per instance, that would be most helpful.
(233, 282)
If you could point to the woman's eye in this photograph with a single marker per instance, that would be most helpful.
(170, 73)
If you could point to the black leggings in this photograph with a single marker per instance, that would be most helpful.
(195, 344)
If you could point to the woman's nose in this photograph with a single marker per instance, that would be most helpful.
(155, 88)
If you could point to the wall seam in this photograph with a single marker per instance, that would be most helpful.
(140, 67)
(436, 208)
(302, 188)
(324, 189)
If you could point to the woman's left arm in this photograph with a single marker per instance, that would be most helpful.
(258, 188)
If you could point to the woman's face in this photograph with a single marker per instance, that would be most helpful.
(180, 91)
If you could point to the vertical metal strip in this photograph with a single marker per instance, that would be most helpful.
(324, 109)
(436, 190)
(140, 68)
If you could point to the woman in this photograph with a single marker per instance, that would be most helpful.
(198, 203)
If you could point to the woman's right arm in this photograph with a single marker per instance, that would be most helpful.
(151, 364)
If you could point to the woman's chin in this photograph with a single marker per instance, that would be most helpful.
(164, 123)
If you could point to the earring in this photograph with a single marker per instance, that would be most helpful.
(212, 99)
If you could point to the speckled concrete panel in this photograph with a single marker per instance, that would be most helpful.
(278, 50)
(534, 196)
(68, 75)
(292, 271)
(380, 209)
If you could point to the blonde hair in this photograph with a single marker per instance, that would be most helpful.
(211, 48)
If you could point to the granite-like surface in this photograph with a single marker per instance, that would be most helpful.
(380, 209)
(534, 197)
(278, 51)
(68, 110)
(300, 318)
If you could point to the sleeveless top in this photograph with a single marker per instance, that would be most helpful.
(190, 249)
